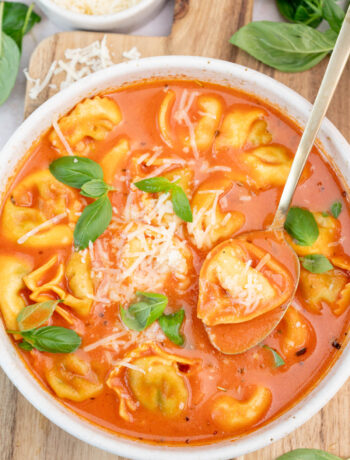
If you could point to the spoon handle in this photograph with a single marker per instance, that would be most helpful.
(329, 83)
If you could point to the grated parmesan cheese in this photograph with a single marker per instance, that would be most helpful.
(96, 7)
(78, 63)
(64, 141)
(132, 54)
(47, 223)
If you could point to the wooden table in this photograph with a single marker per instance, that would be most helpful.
(24, 433)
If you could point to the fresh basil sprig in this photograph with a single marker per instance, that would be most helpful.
(286, 47)
(301, 226)
(308, 454)
(308, 12)
(336, 209)
(87, 175)
(171, 324)
(181, 205)
(142, 314)
(316, 263)
(75, 171)
(93, 222)
(95, 188)
(279, 361)
(36, 315)
(293, 47)
(16, 19)
(52, 339)
(149, 308)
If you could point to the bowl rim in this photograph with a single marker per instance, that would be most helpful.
(96, 19)
(41, 399)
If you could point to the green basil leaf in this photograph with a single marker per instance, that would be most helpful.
(53, 339)
(302, 226)
(75, 171)
(129, 320)
(170, 325)
(279, 361)
(333, 14)
(286, 8)
(336, 209)
(95, 188)
(93, 222)
(18, 20)
(309, 16)
(141, 315)
(154, 185)
(301, 11)
(286, 47)
(308, 454)
(316, 263)
(25, 346)
(9, 65)
(181, 205)
(35, 315)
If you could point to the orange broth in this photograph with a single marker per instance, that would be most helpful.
(218, 374)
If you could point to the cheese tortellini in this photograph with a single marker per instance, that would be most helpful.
(210, 224)
(330, 288)
(243, 125)
(296, 332)
(91, 120)
(77, 274)
(72, 377)
(231, 414)
(329, 234)
(155, 379)
(268, 166)
(114, 160)
(41, 212)
(12, 271)
(234, 287)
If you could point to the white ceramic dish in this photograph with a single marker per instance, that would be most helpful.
(121, 22)
(203, 69)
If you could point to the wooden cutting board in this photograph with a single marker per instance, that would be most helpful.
(201, 27)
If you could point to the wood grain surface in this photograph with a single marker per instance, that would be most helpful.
(201, 27)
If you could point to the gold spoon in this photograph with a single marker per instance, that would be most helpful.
(234, 338)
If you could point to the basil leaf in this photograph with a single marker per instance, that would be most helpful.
(316, 263)
(333, 14)
(308, 454)
(170, 325)
(141, 315)
(18, 20)
(181, 205)
(154, 185)
(279, 361)
(35, 315)
(25, 346)
(336, 209)
(301, 11)
(95, 188)
(286, 47)
(302, 226)
(93, 222)
(53, 339)
(75, 171)
(9, 65)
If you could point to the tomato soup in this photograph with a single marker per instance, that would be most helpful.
(120, 254)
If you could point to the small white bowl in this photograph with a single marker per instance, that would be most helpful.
(197, 68)
(123, 21)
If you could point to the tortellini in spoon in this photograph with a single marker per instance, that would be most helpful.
(244, 291)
